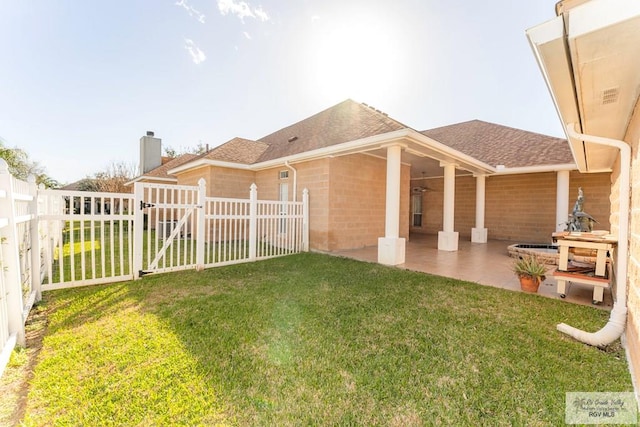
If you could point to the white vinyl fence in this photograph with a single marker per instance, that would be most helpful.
(85, 237)
(19, 259)
(54, 239)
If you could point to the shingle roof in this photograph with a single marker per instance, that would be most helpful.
(501, 145)
(344, 122)
(161, 171)
(237, 150)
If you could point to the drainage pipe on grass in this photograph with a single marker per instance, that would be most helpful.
(617, 320)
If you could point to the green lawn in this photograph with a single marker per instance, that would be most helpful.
(312, 339)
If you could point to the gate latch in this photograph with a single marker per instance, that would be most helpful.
(145, 205)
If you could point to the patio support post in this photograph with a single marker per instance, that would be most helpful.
(391, 247)
(479, 232)
(562, 200)
(447, 238)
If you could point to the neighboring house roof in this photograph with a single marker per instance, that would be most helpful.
(75, 186)
(160, 173)
(501, 145)
(347, 121)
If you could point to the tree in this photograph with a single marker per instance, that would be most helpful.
(21, 166)
(113, 178)
(173, 153)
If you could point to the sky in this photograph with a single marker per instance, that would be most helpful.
(82, 81)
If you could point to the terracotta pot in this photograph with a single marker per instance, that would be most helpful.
(529, 284)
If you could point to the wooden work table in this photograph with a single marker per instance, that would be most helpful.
(599, 276)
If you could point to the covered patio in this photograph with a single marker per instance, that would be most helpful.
(484, 263)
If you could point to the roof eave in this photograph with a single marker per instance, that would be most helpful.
(563, 50)
(143, 178)
(521, 170)
(207, 162)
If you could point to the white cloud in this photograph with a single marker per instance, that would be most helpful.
(261, 14)
(197, 55)
(192, 12)
(242, 10)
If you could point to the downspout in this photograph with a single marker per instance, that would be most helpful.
(615, 327)
(295, 179)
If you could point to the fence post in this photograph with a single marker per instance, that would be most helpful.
(202, 195)
(138, 229)
(11, 258)
(305, 220)
(253, 221)
(34, 233)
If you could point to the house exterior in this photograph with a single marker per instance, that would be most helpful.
(374, 181)
(589, 57)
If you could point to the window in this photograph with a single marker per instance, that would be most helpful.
(284, 174)
(416, 210)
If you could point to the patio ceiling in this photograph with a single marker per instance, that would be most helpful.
(590, 59)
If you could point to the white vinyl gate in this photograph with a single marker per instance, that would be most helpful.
(185, 229)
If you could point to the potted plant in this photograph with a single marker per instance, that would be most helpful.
(531, 271)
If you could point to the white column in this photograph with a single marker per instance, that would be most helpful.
(479, 232)
(391, 248)
(447, 238)
(562, 200)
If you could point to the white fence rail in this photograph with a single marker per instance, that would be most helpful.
(53, 239)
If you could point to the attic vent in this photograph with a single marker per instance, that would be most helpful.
(610, 96)
(293, 138)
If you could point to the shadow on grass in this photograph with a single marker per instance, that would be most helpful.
(314, 339)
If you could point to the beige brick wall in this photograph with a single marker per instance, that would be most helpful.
(221, 182)
(357, 190)
(314, 176)
(517, 207)
(346, 196)
(633, 274)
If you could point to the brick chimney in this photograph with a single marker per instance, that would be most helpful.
(150, 152)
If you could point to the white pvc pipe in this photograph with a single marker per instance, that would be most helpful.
(295, 179)
(562, 199)
(618, 317)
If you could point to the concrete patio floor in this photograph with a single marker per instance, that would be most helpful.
(487, 264)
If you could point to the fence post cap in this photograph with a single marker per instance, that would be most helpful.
(254, 186)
